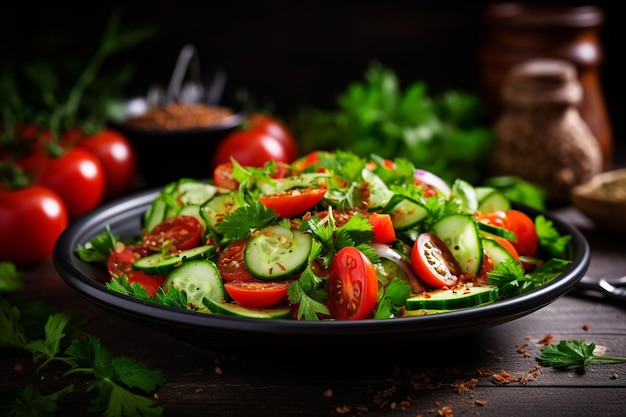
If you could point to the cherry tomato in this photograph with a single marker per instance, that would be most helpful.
(230, 263)
(433, 261)
(177, 233)
(382, 226)
(519, 223)
(524, 228)
(250, 148)
(256, 294)
(117, 157)
(293, 202)
(352, 285)
(223, 176)
(31, 220)
(77, 176)
(120, 263)
(272, 126)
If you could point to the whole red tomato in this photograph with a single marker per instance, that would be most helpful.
(117, 157)
(31, 220)
(274, 127)
(77, 176)
(261, 139)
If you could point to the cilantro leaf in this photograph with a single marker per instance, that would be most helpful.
(241, 222)
(11, 331)
(99, 247)
(28, 401)
(550, 241)
(396, 293)
(10, 278)
(572, 353)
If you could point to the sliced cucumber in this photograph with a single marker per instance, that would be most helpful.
(199, 279)
(215, 209)
(160, 264)
(453, 299)
(277, 253)
(497, 231)
(461, 235)
(190, 191)
(496, 252)
(406, 213)
(231, 309)
(491, 199)
(155, 213)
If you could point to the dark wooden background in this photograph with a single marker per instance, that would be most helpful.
(287, 53)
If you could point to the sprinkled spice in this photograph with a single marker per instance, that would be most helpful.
(180, 116)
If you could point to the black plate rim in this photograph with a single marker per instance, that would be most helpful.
(71, 270)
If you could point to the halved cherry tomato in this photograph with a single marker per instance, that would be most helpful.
(433, 261)
(382, 226)
(293, 202)
(230, 263)
(256, 294)
(120, 263)
(223, 176)
(352, 285)
(519, 223)
(177, 233)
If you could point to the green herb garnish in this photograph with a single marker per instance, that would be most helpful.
(572, 353)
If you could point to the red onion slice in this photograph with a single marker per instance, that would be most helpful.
(387, 252)
(433, 180)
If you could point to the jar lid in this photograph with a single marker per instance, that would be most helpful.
(542, 81)
(528, 15)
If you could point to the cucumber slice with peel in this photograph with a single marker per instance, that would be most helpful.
(461, 235)
(277, 253)
(160, 264)
(453, 299)
(199, 279)
(232, 309)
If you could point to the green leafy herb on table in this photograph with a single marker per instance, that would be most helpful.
(115, 379)
(572, 353)
(446, 135)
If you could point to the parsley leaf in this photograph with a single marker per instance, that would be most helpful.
(572, 353)
(30, 402)
(99, 247)
(550, 241)
(396, 292)
(241, 222)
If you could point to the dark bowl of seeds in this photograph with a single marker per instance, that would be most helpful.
(176, 139)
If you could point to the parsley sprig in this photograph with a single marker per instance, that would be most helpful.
(117, 381)
(572, 353)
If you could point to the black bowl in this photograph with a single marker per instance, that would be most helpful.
(242, 337)
(167, 155)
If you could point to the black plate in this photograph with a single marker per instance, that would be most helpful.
(240, 336)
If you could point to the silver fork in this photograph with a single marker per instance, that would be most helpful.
(614, 288)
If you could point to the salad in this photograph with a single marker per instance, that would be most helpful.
(332, 236)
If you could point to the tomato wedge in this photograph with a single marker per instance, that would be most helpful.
(352, 285)
(382, 226)
(433, 261)
(120, 263)
(256, 294)
(293, 202)
(230, 263)
(180, 233)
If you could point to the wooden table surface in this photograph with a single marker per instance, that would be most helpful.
(423, 383)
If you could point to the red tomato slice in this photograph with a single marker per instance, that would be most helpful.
(382, 226)
(352, 285)
(230, 263)
(293, 202)
(256, 294)
(433, 261)
(120, 263)
(179, 233)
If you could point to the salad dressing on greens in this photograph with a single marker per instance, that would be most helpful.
(333, 236)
